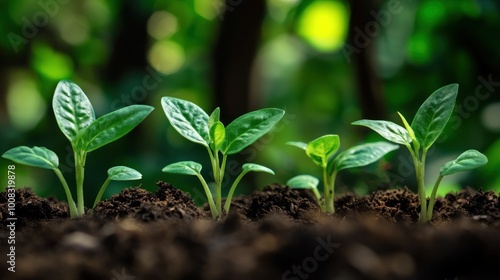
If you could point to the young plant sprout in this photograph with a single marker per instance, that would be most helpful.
(76, 118)
(196, 126)
(427, 126)
(322, 152)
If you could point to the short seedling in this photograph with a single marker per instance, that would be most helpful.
(196, 126)
(427, 126)
(322, 152)
(76, 119)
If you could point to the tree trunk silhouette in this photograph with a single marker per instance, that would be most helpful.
(370, 94)
(234, 52)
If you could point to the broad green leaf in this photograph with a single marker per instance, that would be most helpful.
(388, 130)
(362, 155)
(300, 145)
(188, 119)
(468, 160)
(433, 115)
(214, 117)
(112, 126)
(123, 173)
(303, 182)
(246, 129)
(247, 167)
(322, 148)
(72, 109)
(36, 156)
(183, 168)
(217, 136)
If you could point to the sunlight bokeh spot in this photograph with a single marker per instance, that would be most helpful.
(207, 9)
(491, 117)
(419, 49)
(324, 25)
(75, 30)
(51, 64)
(166, 57)
(162, 25)
(26, 106)
(433, 12)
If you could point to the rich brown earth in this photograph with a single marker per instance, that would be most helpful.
(274, 234)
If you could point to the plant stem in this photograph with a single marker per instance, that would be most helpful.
(73, 212)
(218, 184)
(430, 208)
(80, 169)
(420, 174)
(329, 188)
(101, 192)
(213, 209)
(229, 198)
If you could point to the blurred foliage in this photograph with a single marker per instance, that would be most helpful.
(128, 52)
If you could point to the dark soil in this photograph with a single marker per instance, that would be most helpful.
(273, 234)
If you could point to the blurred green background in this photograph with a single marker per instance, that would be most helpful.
(326, 62)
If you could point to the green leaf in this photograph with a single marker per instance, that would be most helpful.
(112, 126)
(433, 115)
(322, 148)
(123, 173)
(217, 136)
(214, 117)
(247, 167)
(303, 182)
(388, 130)
(300, 145)
(188, 119)
(362, 155)
(246, 129)
(36, 156)
(183, 168)
(468, 160)
(72, 109)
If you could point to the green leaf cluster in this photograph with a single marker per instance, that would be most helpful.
(197, 126)
(426, 127)
(322, 151)
(76, 118)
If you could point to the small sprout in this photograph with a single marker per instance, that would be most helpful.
(76, 119)
(197, 126)
(306, 182)
(428, 124)
(322, 152)
(117, 173)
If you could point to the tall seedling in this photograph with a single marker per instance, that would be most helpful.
(195, 125)
(76, 119)
(428, 124)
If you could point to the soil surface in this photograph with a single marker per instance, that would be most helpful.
(272, 234)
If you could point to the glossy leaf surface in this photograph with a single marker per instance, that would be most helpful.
(433, 115)
(322, 148)
(303, 182)
(246, 129)
(362, 155)
(183, 168)
(389, 130)
(188, 119)
(468, 160)
(123, 173)
(112, 126)
(36, 156)
(72, 109)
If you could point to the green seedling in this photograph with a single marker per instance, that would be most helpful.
(428, 124)
(322, 152)
(76, 119)
(195, 125)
